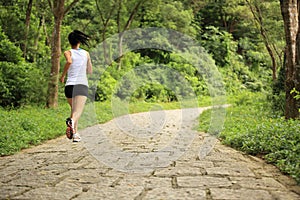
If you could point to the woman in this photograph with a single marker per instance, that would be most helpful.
(78, 65)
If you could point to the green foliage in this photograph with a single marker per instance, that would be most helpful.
(152, 92)
(277, 97)
(229, 15)
(237, 77)
(141, 79)
(277, 102)
(105, 87)
(253, 53)
(250, 127)
(8, 51)
(236, 73)
(231, 34)
(225, 27)
(297, 95)
(20, 84)
(220, 44)
(12, 19)
(168, 14)
(21, 131)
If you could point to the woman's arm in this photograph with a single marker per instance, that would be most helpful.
(67, 55)
(89, 69)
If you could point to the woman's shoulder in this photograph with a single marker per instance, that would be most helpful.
(67, 52)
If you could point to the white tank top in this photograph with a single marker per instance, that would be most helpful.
(77, 70)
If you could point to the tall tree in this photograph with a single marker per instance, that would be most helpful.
(129, 21)
(256, 11)
(225, 14)
(27, 25)
(105, 19)
(59, 10)
(290, 13)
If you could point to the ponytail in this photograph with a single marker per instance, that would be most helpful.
(77, 36)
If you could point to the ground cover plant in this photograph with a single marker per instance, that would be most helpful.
(252, 127)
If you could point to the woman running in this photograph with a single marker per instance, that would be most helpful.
(78, 65)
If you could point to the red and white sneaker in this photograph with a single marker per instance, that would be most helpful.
(70, 128)
(76, 137)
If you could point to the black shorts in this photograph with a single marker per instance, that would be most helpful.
(76, 90)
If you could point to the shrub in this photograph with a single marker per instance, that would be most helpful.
(30, 125)
(250, 126)
(20, 84)
(8, 51)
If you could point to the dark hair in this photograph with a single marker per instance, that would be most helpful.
(77, 36)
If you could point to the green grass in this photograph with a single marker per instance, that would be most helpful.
(250, 126)
(32, 125)
(29, 126)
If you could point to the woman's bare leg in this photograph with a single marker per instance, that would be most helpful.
(77, 109)
(69, 133)
(70, 102)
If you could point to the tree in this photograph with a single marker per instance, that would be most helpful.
(105, 19)
(59, 10)
(291, 14)
(126, 26)
(118, 16)
(225, 14)
(256, 10)
(27, 24)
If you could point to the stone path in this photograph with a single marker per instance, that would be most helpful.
(153, 155)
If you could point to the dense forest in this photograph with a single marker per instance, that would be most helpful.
(248, 41)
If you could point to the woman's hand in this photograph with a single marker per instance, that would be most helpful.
(62, 79)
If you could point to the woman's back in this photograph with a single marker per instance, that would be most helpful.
(77, 71)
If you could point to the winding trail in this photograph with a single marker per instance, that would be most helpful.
(152, 155)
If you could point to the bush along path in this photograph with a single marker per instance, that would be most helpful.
(141, 156)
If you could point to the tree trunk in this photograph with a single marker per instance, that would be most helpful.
(271, 52)
(127, 26)
(47, 41)
(256, 12)
(52, 101)
(289, 10)
(59, 11)
(120, 35)
(120, 47)
(36, 40)
(27, 24)
(105, 25)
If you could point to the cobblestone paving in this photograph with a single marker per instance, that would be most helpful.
(141, 156)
